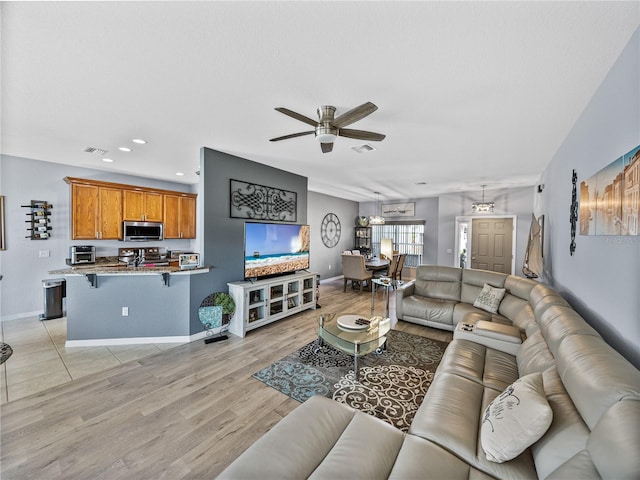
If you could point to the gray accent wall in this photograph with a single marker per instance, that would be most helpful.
(22, 180)
(222, 237)
(602, 279)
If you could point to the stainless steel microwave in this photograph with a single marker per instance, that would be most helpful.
(142, 231)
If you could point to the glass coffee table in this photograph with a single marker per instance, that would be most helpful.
(354, 334)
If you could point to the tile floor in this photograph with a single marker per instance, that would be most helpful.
(41, 361)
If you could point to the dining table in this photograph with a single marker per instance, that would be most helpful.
(376, 264)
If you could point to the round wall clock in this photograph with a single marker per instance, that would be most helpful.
(330, 230)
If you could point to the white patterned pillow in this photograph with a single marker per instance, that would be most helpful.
(516, 419)
(489, 298)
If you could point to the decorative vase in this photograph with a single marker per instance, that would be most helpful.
(362, 221)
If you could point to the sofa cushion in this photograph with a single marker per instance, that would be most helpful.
(519, 313)
(450, 417)
(321, 439)
(559, 321)
(515, 419)
(430, 309)
(534, 355)
(419, 458)
(473, 280)
(567, 435)
(489, 298)
(438, 282)
(489, 367)
(595, 376)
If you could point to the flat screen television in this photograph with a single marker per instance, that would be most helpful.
(274, 249)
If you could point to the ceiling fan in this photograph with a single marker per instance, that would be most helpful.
(328, 128)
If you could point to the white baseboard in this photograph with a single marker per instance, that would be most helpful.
(331, 278)
(7, 318)
(105, 342)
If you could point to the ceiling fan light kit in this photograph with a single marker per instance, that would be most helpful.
(327, 128)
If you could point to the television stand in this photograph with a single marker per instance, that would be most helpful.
(264, 301)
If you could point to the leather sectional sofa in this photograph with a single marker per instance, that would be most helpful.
(592, 395)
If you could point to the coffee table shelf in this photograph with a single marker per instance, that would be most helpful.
(357, 343)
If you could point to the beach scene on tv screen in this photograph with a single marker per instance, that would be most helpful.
(271, 249)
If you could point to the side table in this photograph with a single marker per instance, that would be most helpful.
(386, 283)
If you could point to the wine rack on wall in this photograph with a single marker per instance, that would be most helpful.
(39, 220)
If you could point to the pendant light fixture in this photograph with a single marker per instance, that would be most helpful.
(377, 219)
(482, 207)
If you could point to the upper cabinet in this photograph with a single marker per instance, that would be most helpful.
(98, 209)
(142, 206)
(180, 215)
(96, 212)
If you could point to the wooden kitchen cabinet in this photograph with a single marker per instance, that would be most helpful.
(143, 206)
(96, 212)
(99, 208)
(180, 216)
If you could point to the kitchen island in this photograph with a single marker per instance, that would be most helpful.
(114, 304)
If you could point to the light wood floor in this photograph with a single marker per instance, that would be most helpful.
(183, 413)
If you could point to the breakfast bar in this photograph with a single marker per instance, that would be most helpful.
(120, 305)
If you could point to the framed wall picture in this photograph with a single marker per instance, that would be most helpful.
(399, 210)
(3, 245)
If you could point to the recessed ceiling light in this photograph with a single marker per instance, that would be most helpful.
(124, 149)
(108, 160)
(139, 141)
(180, 174)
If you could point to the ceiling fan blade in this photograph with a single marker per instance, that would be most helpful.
(326, 147)
(298, 116)
(293, 135)
(361, 134)
(354, 115)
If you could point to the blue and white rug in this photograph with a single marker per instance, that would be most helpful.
(391, 386)
(5, 352)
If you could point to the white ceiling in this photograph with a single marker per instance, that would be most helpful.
(469, 93)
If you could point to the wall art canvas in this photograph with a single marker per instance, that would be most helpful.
(399, 210)
(610, 199)
(259, 202)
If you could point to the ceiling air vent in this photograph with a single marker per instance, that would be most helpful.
(97, 151)
(363, 148)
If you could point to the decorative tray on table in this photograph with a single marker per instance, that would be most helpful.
(353, 322)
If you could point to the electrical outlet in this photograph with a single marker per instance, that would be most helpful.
(125, 311)
(44, 254)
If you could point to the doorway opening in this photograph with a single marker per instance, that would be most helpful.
(491, 247)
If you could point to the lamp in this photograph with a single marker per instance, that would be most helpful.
(386, 248)
(482, 207)
(376, 219)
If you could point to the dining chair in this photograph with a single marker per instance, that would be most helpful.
(400, 266)
(353, 269)
(390, 270)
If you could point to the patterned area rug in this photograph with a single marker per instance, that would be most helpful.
(5, 352)
(391, 386)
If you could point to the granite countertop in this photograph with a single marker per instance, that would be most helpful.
(111, 266)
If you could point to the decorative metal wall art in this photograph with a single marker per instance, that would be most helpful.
(258, 202)
(573, 217)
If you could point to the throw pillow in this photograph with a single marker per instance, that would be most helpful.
(489, 298)
(515, 419)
